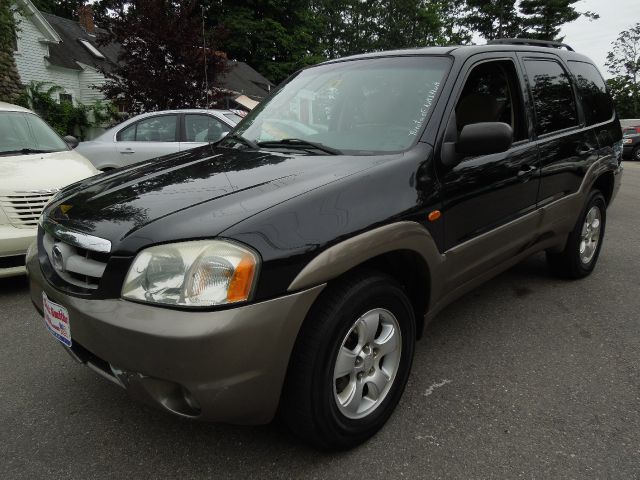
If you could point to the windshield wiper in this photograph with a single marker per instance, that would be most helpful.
(241, 139)
(299, 143)
(24, 151)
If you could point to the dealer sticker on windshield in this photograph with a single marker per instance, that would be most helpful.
(56, 318)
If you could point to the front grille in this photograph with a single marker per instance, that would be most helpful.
(24, 209)
(75, 265)
(12, 261)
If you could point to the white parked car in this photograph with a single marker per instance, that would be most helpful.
(34, 164)
(156, 134)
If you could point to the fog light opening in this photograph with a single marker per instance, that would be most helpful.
(172, 396)
(190, 400)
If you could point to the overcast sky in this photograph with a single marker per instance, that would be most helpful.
(594, 38)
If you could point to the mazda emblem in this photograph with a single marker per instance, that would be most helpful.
(57, 258)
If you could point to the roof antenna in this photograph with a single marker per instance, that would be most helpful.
(204, 50)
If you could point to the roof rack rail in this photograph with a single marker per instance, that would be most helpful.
(529, 41)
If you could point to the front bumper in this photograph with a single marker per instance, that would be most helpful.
(228, 365)
(14, 242)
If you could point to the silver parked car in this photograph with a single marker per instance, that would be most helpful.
(156, 134)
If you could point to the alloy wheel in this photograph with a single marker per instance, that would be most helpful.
(590, 236)
(366, 363)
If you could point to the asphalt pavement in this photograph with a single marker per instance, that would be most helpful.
(526, 377)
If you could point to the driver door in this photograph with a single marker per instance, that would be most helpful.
(487, 197)
(148, 138)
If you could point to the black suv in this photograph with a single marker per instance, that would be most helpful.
(291, 267)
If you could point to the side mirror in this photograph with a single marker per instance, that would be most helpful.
(484, 138)
(71, 141)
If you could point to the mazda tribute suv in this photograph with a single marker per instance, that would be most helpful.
(289, 268)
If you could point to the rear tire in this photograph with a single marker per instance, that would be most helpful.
(580, 255)
(635, 155)
(350, 363)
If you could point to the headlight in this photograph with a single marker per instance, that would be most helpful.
(55, 197)
(627, 141)
(199, 273)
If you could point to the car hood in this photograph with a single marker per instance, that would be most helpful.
(194, 194)
(43, 171)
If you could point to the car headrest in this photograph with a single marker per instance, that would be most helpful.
(476, 108)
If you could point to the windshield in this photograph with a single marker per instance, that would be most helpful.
(360, 106)
(25, 133)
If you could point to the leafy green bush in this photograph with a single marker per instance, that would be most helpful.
(64, 117)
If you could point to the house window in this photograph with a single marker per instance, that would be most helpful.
(66, 98)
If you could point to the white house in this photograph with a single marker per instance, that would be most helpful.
(61, 51)
(65, 53)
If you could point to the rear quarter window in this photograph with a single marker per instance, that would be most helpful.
(596, 102)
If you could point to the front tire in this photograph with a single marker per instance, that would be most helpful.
(350, 363)
(580, 255)
(635, 155)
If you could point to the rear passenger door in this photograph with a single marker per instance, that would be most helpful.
(565, 147)
(200, 129)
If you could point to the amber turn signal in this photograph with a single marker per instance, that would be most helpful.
(240, 284)
(435, 215)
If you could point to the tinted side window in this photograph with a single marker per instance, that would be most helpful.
(44, 136)
(154, 129)
(552, 96)
(157, 129)
(14, 132)
(596, 102)
(492, 93)
(203, 128)
(128, 134)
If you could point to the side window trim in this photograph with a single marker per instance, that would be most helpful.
(182, 128)
(523, 57)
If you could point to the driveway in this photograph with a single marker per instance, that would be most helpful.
(526, 377)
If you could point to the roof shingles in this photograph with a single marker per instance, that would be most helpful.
(67, 53)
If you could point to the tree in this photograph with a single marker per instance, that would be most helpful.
(623, 61)
(9, 79)
(453, 26)
(272, 36)
(62, 8)
(493, 18)
(409, 23)
(543, 18)
(346, 27)
(161, 64)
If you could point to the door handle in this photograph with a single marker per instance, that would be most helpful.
(525, 172)
(127, 151)
(586, 151)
